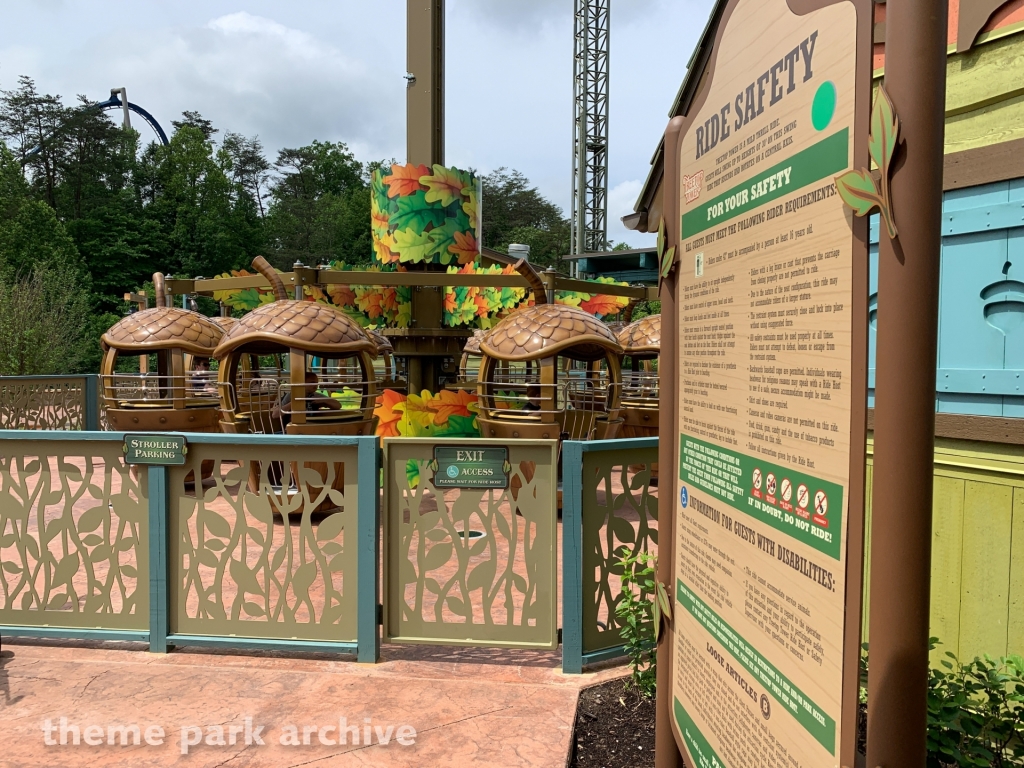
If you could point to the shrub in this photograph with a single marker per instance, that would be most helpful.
(641, 606)
(975, 711)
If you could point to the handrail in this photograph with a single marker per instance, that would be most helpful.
(552, 281)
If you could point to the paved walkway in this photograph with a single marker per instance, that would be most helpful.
(480, 707)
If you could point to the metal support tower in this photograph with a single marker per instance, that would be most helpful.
(425, 79)
(590, 127)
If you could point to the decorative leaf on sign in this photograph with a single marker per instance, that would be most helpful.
(667, 261)
(666, 256)
(857, 187)
(662, 605)
(858, 191)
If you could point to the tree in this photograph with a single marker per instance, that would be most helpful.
(30, 233)
(46, 317)
(192, 119)
(320, 207)
(45, 323)
(247, 165)
(187, 194)
(33, 121)
(515, 212)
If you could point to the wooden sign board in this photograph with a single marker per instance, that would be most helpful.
(158, 450)
(470, 466)
(771, 345)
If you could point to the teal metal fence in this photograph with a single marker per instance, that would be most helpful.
(50, 402)
(609, 507)
(194, 555)
(274, 542)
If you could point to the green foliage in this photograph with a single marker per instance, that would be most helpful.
(96, 203)
(636, 611)
(320, 207)
(45, 319)
(975, 711)
(515, 212)
(645, 308)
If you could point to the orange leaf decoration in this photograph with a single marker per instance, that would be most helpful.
(387, 413)
(602, 304)
(482, 308)
(405, 179)
(450, 302)
(465, 247)
(450, 403)
(342, 295)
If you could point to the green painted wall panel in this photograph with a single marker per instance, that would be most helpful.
(992, 124)
(869, 481)
(984, 74)
(984, 590)
(1015, 620)
(983, 95)
(947, 551)
(977, 597)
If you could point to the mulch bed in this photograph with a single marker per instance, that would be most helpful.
(614, 728)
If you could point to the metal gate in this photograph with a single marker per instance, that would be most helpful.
(467, 565)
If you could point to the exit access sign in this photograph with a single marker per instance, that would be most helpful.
(470, 466)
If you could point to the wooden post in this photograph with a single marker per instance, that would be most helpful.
(908, 303)
(425, 95)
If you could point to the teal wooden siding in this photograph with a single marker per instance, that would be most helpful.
(980, 366)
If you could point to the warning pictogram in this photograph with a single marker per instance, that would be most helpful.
(820, 503)
(787, 489)
(820, 509)
(770, 485)
(802, 496)
(757, 478)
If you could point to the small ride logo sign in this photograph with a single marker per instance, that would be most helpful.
(692, 186)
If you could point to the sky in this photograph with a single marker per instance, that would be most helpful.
(291, 72)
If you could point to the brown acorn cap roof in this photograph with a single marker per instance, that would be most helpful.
(473, 343)
(382, 342)
(546, 330)
(226, 323)
(164, 328)
(305, 325)
(642, 336)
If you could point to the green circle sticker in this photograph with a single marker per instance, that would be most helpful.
(824, 106)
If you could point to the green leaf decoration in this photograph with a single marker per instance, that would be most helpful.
(667, 260)
(859, 191)
(442, 236)
(884, 129)
(412, 473)
(415, 213)
(857, 187)
(379, 190)
(414, 246)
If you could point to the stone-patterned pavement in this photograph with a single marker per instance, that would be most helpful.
(468, 706)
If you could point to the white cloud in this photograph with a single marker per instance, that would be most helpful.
(621, 198)
(249, 74)
(332, 70)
